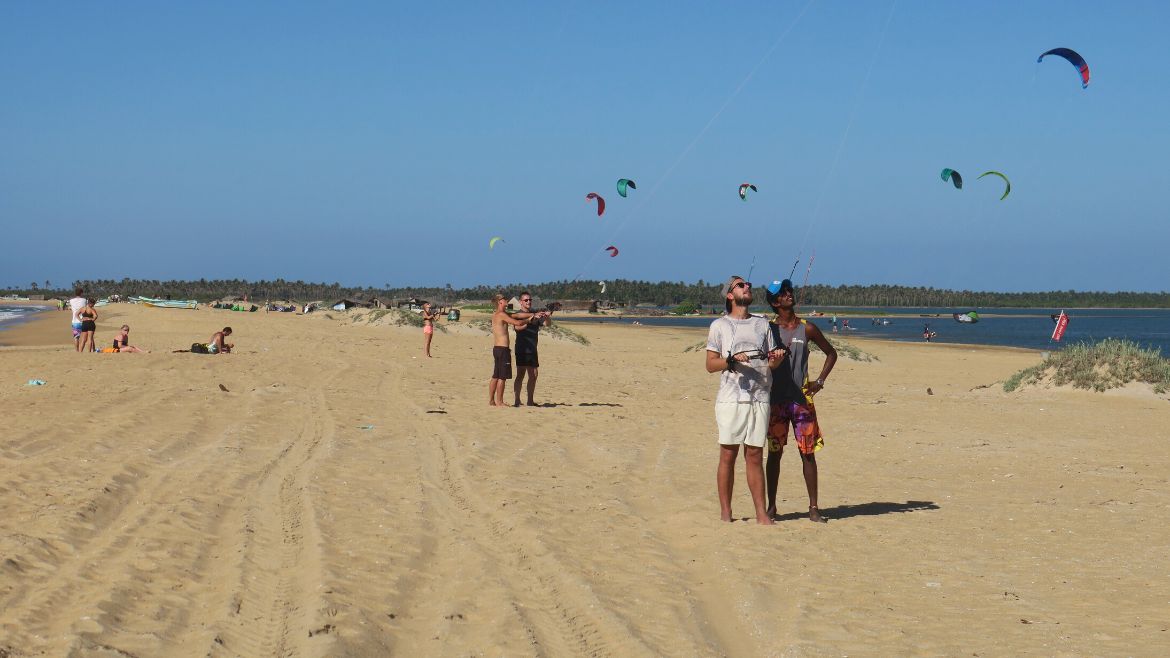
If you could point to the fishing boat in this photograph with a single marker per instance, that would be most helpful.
(168, 303)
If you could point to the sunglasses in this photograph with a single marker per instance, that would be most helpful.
(526, 299)
(742, 284)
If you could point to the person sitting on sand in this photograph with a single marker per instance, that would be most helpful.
(501, 350)
(218, 345)
(88, 316)
(122, 342)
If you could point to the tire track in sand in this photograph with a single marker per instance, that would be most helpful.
(270, 614)
(559, 612)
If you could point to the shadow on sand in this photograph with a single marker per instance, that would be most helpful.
(864, 509)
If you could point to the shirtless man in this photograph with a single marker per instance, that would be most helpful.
(501, 350)
(218, 345)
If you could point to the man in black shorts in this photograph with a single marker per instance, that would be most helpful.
(501, 354)
(527, 362)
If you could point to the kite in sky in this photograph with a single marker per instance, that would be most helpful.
(493, 241)
(613, 251)
(624, 183)
(600, 202)
(1073, 58)
(953, 177)
(1007, 190)
(744, 188)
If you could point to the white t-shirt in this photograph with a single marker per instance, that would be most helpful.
(747, 382)
(75, 305)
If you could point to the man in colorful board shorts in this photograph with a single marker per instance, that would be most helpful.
(792, 394)
(743, 351)
(75, 305)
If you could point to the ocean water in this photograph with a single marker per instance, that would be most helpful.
(1014, 327)
(11, 314)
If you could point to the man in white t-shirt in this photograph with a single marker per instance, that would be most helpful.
(743, 350)
(75, 305)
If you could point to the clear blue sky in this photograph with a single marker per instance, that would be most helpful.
(375, 143)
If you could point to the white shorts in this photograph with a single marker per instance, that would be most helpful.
(742, 423)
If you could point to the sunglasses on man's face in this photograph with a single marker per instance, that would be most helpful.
(526, 299)
(742, 284)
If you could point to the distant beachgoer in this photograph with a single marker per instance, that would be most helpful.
(527, 360)
(501, 352)
(792, 394)
(88, 316)
(740, 347)
(927, 334)
(75, 305)
(122, 341)
(218, 344)
(428, 327)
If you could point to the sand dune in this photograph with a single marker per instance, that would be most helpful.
(346, 496)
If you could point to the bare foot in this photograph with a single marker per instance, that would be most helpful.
(726, 517)
(530, 403)
(814, 515)
(765, 520)
(772, 512)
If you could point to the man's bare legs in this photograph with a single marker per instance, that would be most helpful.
(427, 345)
(496, 392)
(725, 480)
(810, 483)
(809, 465)
(772, 473)
(520, 372)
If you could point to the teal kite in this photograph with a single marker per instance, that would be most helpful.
(744, 188)
(953, 177)
(624, 183)
(1007, 190)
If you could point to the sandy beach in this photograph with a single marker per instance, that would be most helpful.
(328, 491)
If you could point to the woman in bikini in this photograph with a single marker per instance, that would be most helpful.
(88, 316)
(122, 342)
(428, 328)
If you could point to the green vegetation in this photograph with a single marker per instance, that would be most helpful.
(482, 324)
(686, 308)
(1108, 364)
(560, 331)
(846, 350)
(662, 293)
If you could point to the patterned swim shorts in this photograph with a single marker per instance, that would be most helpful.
(803, 419)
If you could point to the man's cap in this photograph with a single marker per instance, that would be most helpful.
(727, 286)
(726, 289)
(777, 288)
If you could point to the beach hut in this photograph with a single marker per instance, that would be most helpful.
(345, 304)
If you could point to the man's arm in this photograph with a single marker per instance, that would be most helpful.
(519, 324)
(817, 337)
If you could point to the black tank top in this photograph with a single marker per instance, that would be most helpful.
(789, 377)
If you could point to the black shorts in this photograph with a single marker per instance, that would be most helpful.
(88, 325)
(502, 368)
(526, 357)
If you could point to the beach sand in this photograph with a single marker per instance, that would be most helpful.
(150, 512)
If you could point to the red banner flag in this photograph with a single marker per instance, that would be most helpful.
(1061, 325)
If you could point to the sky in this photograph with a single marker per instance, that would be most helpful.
(384, 143)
